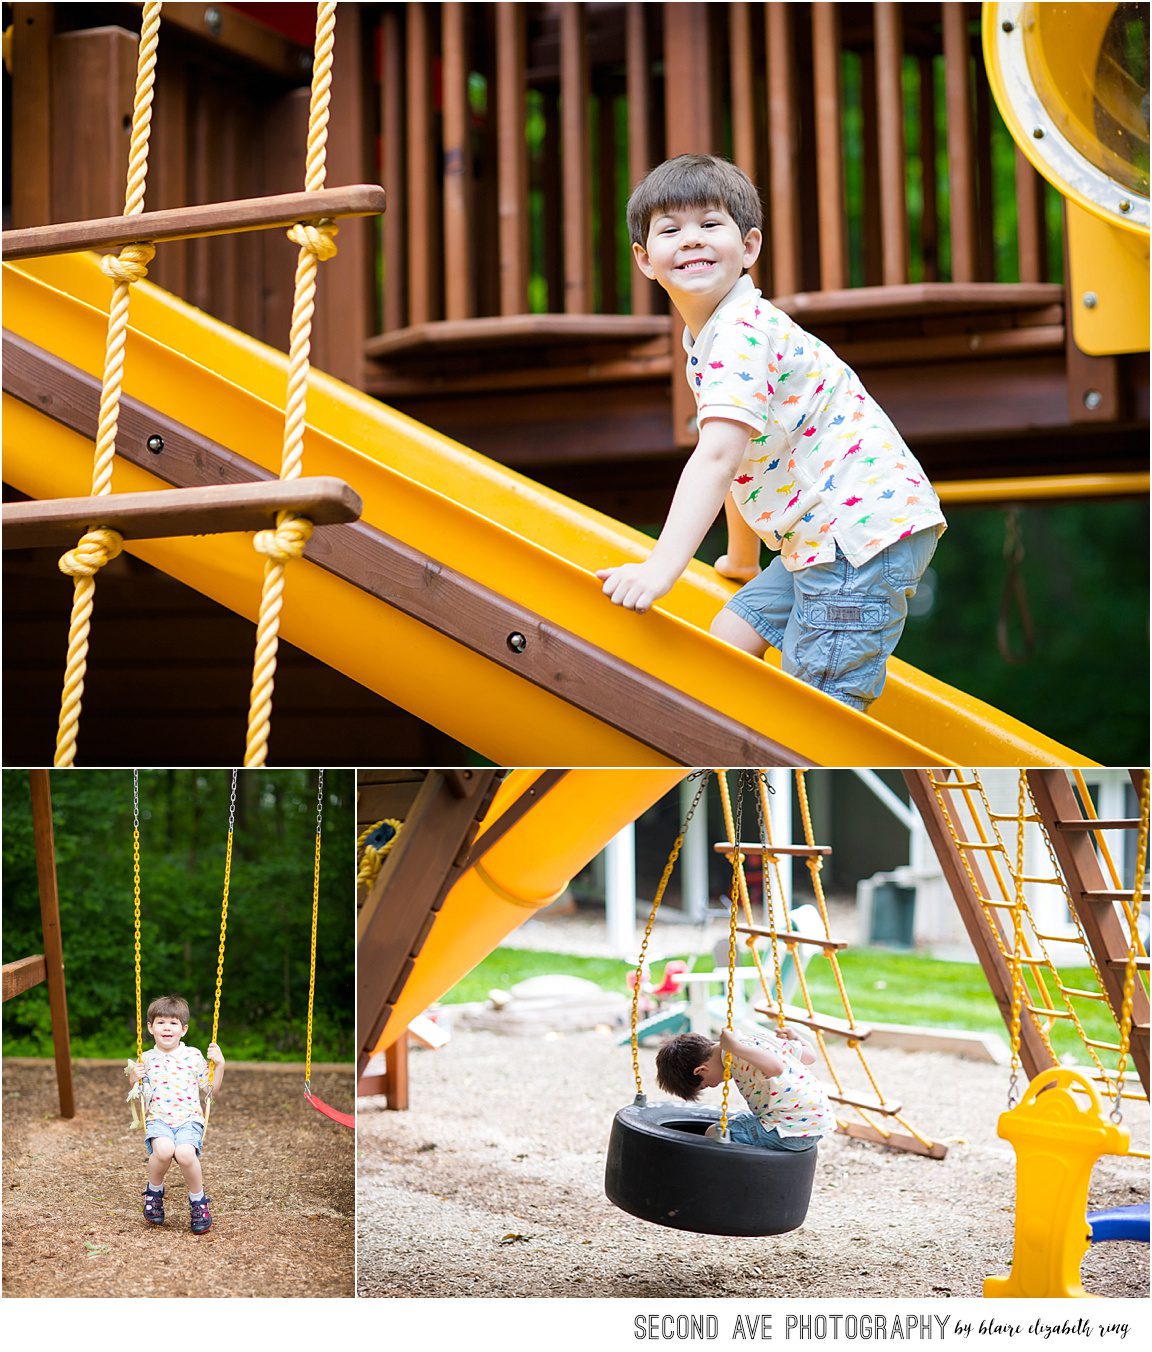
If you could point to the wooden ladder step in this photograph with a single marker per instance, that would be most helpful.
(59, 522)
(1098, 896)
(1121, 963)
(790, 937)
(887, 1109)
(1093, 824)
(836, 1027)
(213, 218)
(756, 850)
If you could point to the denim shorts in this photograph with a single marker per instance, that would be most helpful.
(187, 1133)
(836, 625)
(749, 1130)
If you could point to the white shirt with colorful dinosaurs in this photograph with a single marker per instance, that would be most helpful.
(793, 1102)
(172, 1084)
(825, 466)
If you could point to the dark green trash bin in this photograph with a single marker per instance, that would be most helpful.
(893, 915)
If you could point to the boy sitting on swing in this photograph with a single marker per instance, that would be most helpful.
(173, 1076)
(789, 1108)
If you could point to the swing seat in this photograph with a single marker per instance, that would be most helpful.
(344, 1119)
(1119, 1222)
(662, 1168)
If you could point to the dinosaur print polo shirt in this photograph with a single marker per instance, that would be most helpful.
(793, 1102)
(173, 1083)
(825, 466)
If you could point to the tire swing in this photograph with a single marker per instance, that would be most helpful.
(661, 1166)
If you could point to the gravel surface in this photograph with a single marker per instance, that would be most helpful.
(492, 1185)
(279, 1174)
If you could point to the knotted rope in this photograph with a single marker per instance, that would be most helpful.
(287, 541)
(99, 545)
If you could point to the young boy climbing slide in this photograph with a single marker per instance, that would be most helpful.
(173, 1076)
(789, 1109)
(790, 442)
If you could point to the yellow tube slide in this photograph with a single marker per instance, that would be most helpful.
(530, 545)
(526, 869)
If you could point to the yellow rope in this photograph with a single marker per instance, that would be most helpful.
(739, 883)
(98, 545)
(315, 918)
(1017, 938)
(372, 857)
(1140, 870)
(287, 541)
(136, 908)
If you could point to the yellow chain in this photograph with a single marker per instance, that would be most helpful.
(669, 866)
(223, 937)
(734, 903)
(287, 541)
(99, 545)
(373, 857)
(315, 918)
(136, 908)
(1017, 938)
(1140, 870)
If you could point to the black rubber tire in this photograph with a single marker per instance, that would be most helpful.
(662, 1168)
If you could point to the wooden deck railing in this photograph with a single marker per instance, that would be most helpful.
(511, 135)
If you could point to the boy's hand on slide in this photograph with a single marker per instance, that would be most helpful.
(635, 585)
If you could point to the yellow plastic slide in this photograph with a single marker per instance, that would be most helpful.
(526, 869)
(534, 547)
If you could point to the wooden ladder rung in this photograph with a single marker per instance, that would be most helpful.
(887, 1109)
(59, 522)
(1098, 896)
(1121, 963)
(800, 851)
(1094, 824)
(790, 937)
(213, 218)
(834, 1026)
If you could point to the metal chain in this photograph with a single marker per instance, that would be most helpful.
(674, 854)
(734, 903)
(1017, 940)
(223, 931)
(1139, 871)
(315, 916)
(136, 908)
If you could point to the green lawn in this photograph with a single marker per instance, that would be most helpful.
(882, 986)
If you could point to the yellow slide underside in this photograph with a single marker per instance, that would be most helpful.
(523, 871)
(533, 546)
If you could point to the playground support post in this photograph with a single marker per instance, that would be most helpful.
(53, 943)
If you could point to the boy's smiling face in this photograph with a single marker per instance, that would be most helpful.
(697, 255)
(166, 1031)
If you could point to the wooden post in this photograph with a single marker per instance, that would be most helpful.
(639, 88)
(31, 126)
(930, 212)
(829, 160)
(961, 151)
(392, 149)
(888, 27)
(1030, 234)
(457, 164)
(512, 154)
(783, 143)
(396, 1075)
(422, 236)
(574, 157)
(53, 944)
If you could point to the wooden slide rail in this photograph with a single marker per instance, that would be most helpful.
(669, 721)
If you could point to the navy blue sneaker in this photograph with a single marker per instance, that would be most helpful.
(153, 1207)
(201, 1221)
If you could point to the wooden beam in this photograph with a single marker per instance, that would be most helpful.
(639, 91)
(783, 152)
(890, 113)
(53, 942)
(402, 904)
(23, 974)
(678, 726)
(459, 227)
(512, 158)
(215, 218)
(225, 28)
(423, 251)
(961, 145)
(829, 154)
(31, 111)
(392, 152)
(575, 160)
(179, 511)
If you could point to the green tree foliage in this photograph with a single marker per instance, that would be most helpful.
(183, 831)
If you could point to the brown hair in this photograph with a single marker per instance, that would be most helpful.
(169, 1007)
(694, 181)
(676, 1064)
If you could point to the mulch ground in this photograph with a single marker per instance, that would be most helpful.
(281, 1178)
(492, 1185)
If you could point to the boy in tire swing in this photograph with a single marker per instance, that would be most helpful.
(789, 1109)
(792, 445)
